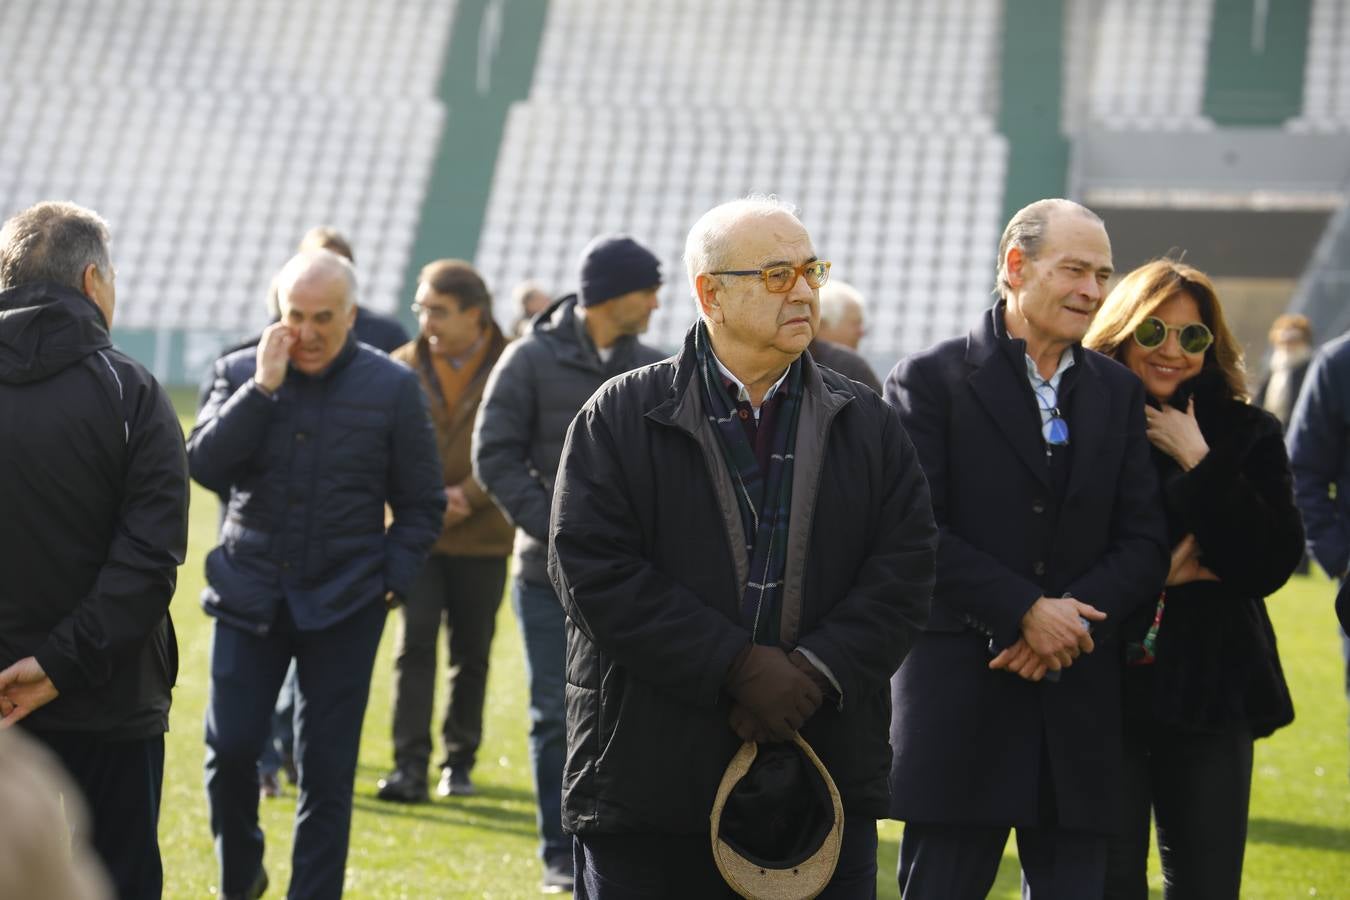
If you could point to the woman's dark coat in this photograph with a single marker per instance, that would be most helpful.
(1217, 668)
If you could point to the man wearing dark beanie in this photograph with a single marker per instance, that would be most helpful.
(542, 379)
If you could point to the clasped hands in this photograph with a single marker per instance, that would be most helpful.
(774, 693)
(1053, 636)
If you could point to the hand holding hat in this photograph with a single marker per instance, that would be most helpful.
(773, 690)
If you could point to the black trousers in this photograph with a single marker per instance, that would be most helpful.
(121, 782)
(657, 866)
(1197, 787)
(466, 592)
(960, 862)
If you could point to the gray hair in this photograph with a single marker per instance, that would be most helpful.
(705, 247)
(53, 242)
(835, 297)
(310, 263)
(1026, 232)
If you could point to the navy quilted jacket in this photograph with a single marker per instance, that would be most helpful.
(308, 473)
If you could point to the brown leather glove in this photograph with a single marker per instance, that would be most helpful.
(808, 668)
(772, 689)
(746, 726)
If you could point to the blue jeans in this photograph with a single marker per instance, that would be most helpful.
(281, 743)
(333, 669)
(543, 627)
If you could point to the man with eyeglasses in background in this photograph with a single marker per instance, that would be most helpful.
(457, 345)
(744, 546)
(569, 350)
(1007, 713)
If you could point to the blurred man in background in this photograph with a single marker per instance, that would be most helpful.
(1291, 354)
(94, 481)
(841, 314)
(570, 349)
(310, 435)
(457, 345)
(1319, 452)
(529, 299)
(845, 304)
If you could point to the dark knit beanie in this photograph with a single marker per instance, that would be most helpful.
(613, 265)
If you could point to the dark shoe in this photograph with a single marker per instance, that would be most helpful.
(256, 890)
(268, 785)
(402, 787)
(557, 876)
(455, 783)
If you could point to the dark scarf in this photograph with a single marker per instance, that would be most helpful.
(764, 498)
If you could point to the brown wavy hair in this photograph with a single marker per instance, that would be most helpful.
(1142, 291)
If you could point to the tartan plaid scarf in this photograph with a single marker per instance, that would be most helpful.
(764, 498)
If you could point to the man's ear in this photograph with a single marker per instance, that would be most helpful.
(1014, 264)
(709, 293)
(92, 281)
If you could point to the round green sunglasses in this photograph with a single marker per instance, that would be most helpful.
(1194, 338)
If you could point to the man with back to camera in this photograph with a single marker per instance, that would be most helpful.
(311, 435)
(542, 379)
(1050, 531)
(744, 546)
(457, 345)
(94, 481)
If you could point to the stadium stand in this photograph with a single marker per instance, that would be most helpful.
(213, 133)
(1326, 74)
(881, 131)
(1146, 60)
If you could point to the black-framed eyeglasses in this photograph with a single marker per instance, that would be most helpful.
(1193, 338)
(781, 279)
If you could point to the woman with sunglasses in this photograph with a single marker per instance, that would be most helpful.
(1202, 675)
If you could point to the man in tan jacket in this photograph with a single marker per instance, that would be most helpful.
(456, 347)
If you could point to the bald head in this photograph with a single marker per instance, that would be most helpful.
(319, 268)
(316, 293)
(710, 241)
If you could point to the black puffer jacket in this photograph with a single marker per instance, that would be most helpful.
(1217, 667)
(308, 474)
(648, 558)
(94, 522)
(533, 393)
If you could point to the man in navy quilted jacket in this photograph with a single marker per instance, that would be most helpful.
(310, 435)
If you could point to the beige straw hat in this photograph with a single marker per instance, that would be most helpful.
(777, 822)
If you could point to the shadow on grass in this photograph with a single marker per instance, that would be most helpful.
(487, 810)
(1298, 834)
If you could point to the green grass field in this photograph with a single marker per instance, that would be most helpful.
(484, 846)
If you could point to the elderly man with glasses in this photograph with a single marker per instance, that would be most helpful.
(1007, 714)
(744, 547)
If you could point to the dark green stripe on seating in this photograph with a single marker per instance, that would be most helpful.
(1257, 51)
(488, 66)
